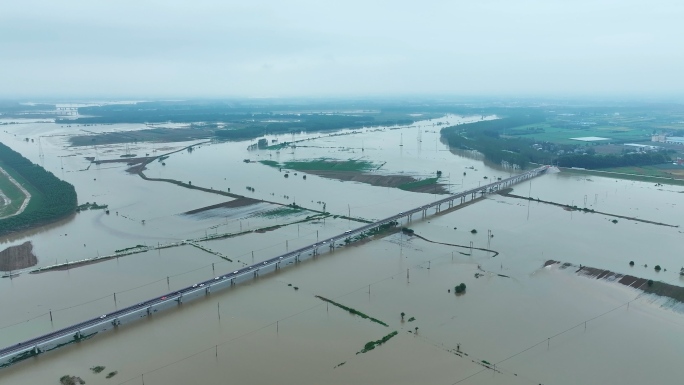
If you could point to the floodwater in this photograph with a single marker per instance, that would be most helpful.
(268, 332)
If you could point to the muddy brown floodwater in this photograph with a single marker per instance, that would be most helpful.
(517, 323)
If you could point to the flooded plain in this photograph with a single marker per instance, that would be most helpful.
(538, 325)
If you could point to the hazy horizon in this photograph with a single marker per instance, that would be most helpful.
(216, 49)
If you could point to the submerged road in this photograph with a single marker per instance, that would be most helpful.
(53, 340)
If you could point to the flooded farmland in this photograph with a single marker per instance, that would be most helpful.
(517, 323)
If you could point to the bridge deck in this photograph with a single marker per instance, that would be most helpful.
(25, 349)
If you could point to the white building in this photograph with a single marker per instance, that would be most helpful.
(642, 147)
(675, 140)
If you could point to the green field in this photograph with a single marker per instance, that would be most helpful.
(562, 135)
(279, 212)
(324, 164)
(418, 184)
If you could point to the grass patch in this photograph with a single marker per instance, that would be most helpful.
(550, 132)
(353, 311)
(373, 344)
(326, 164)
(112, 374)
(418, 184)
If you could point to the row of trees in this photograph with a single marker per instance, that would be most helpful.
(52, 199)
(607, 161)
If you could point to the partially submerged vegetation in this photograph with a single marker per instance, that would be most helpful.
(228, 121)
(97, 369)
(279, 212)
(646, 285)
(323, 164)
(420, 184)
(90, 206)
(353, 311)
(373, 344)
(460, 289)
(380, 230)
(71, 380)
(359, 170)
(51, 198)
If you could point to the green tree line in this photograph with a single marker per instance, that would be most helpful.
(485, 137)
(611, 160)
(52, 198)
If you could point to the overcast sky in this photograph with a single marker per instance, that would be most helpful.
(279, 48)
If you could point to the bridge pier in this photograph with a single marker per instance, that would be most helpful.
(74, 332)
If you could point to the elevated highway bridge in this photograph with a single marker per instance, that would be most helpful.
(88, 328)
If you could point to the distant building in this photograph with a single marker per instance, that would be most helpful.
(642, 147)
(658, 138)
(675, 140)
